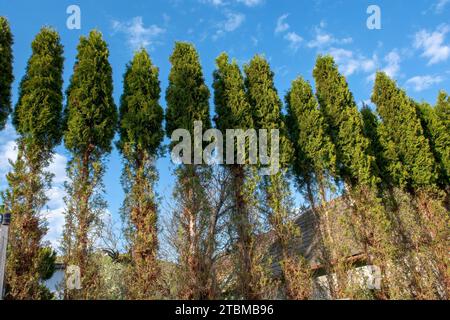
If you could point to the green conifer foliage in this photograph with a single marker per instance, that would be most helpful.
(141, 133)
(410, 161)
(6, 70)
(266, 104)
(367, 219)
(187, 95)
(37, 118)
(345, 125)
(187, 101)
(439, 139)
(315, 158)
(443, 109)
(277, 201)
(371, 131)
(234, 112)
(423, 223)
(91, 120)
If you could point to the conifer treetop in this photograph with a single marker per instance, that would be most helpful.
(333, 93)
(187, 95)
(91, 114)
(141, 116)
(37, 114)
(407, 150)
(265, 103)
(314, 151)
(232, 109)
(6, 70)
(443, 109)
(438, 137)
(345, 125)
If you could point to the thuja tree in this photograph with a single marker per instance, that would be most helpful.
(344, 123)
(314, 156)
(365, 218)
(141, 133)
(277, 202)
(37, 119)
(442, 110)
(411, 163)
(187, 101)
(371, 124)
(412, 167)
(6, 70)
(439, 139)
(234, 112)
(91, 118)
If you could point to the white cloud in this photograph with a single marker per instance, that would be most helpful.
(294, 40)
(420, 83)
(251, 3)
(220, 3)
(323, 39)
(391, 65)
(432, 44)
(216, 3)
(282, 26)
(54, 209)
(8, 151)
(138, 36)
(58, 168)
(440, 5)
(350, 62)
(392, 60)
(232, 22)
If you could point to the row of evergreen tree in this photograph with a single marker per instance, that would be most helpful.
(390, 169)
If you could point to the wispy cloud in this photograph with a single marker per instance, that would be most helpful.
(294, 40)
(221, 3)
(392, 60)
(421, 83)
(432, 44)
(323, 39)
(440, 5)
(390, 65)
(351, 62)
(251, 3)
(232, 22)
(138, 36)
(216, 3)
(282, 25)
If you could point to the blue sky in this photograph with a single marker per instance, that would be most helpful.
(413, 46)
